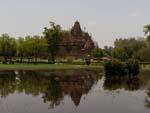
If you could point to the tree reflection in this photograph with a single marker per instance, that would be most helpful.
(117, 82)
(7, 83)
(52, 86)
(147, 99)
(53, 93)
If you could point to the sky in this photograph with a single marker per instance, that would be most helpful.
(105, 20)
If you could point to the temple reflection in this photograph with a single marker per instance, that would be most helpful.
(53, 87)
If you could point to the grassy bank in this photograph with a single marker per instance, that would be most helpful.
(46, 67)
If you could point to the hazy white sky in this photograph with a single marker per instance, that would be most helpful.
(106, 20)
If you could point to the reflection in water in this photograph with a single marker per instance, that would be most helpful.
(51, 86)
(54, 87)
(147, 99)
(125, 82)
(128, 83)
(7, 83)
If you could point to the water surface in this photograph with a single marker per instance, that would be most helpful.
(73, 92)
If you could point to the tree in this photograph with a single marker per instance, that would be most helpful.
(143, 54)
(147, 29)
(21, 48)
(148, 39)
(120, 54)
(97, 52)
(129, 46)
(35, 45)
(28, 47)
(53, 35)
(108, 50)
(147, 32)
(7, 47)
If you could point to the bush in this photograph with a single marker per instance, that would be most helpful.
(115, 67)
(133, 67)
(118, 68)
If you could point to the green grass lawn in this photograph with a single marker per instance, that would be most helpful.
(46, 67)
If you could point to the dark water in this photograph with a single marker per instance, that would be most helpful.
(73, 92)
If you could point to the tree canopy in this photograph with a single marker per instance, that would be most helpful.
(53, 35)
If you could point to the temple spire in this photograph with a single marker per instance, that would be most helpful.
(76, 30)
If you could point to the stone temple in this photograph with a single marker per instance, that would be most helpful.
(76, 42)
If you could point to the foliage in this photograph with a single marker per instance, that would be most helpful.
(97, 53)
(147, 29)
(21, 48)
(132, 66)
(35, 46)
(107, 51)
(120, 54)
(115, 67)
(143, 54)
(127, 47)
(53, 35)
(118, 68)
(7, 47)
(148, 39)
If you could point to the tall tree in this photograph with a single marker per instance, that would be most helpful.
(21, 48)
(97, 52)
(35, 45)
(53, 35)
(7, 47)
(129, 46)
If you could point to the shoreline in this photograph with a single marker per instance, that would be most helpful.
(46, 67)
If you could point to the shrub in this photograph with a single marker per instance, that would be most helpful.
(132, 66)
(115, 67)
(118, 68)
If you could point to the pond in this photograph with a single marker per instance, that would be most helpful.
(73, 91)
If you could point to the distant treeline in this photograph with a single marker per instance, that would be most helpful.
(124, 49)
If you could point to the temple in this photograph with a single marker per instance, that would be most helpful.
(76, 42)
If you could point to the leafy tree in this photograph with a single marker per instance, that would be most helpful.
(21, 48)
(143, 54)
(129, 46)
(97, 52)
(147, 29)
(108, 50)
(147, 32)
(53, 36)
(35, 46)
(7, 47)
(28, 47)
(120, 53)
